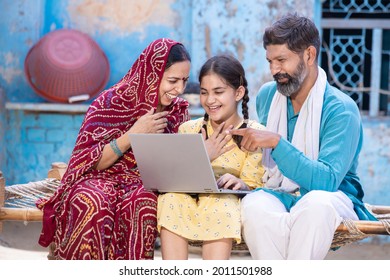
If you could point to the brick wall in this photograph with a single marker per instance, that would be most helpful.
(35, 140)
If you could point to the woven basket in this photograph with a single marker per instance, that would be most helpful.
(66, 66)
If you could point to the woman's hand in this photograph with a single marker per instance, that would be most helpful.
(150, 123)
(216, 144)
(229, 181)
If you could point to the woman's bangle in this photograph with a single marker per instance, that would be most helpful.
(115, 148)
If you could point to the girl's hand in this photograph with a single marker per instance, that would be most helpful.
(229, 181)
(216, 144)
(150, 123)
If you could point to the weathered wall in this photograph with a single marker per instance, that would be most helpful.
(375, 160)
(236, 27)
(40, 139)
(20, 28)
(122, 28)
(2, 130)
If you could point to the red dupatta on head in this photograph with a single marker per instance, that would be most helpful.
(116, 109)
(109, 116)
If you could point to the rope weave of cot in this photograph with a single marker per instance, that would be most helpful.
(384, 218)
(344, 238)
(25, 195)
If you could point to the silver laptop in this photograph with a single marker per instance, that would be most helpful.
(175, 163)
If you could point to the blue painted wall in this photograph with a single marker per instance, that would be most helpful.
(40, 139)
(121, 28)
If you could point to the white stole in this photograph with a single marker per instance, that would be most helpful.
(306, 132)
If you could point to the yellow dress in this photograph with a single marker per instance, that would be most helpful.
(211, 216)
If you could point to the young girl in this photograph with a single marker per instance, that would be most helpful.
(213, 218)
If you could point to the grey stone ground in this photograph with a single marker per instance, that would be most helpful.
(19, 241)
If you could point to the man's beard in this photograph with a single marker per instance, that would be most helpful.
(294, 82)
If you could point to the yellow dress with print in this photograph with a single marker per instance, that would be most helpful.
(211, 216)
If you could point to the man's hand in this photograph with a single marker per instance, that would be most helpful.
(254, 139)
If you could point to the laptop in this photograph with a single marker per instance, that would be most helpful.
(175, 163)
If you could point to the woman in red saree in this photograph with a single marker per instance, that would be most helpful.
(101, 210)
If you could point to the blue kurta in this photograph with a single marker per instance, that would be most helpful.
(341, 137)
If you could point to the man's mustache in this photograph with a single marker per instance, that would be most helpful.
(281, 76)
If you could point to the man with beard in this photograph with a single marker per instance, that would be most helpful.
(310, 151)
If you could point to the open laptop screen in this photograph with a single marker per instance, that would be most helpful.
(174, 163)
